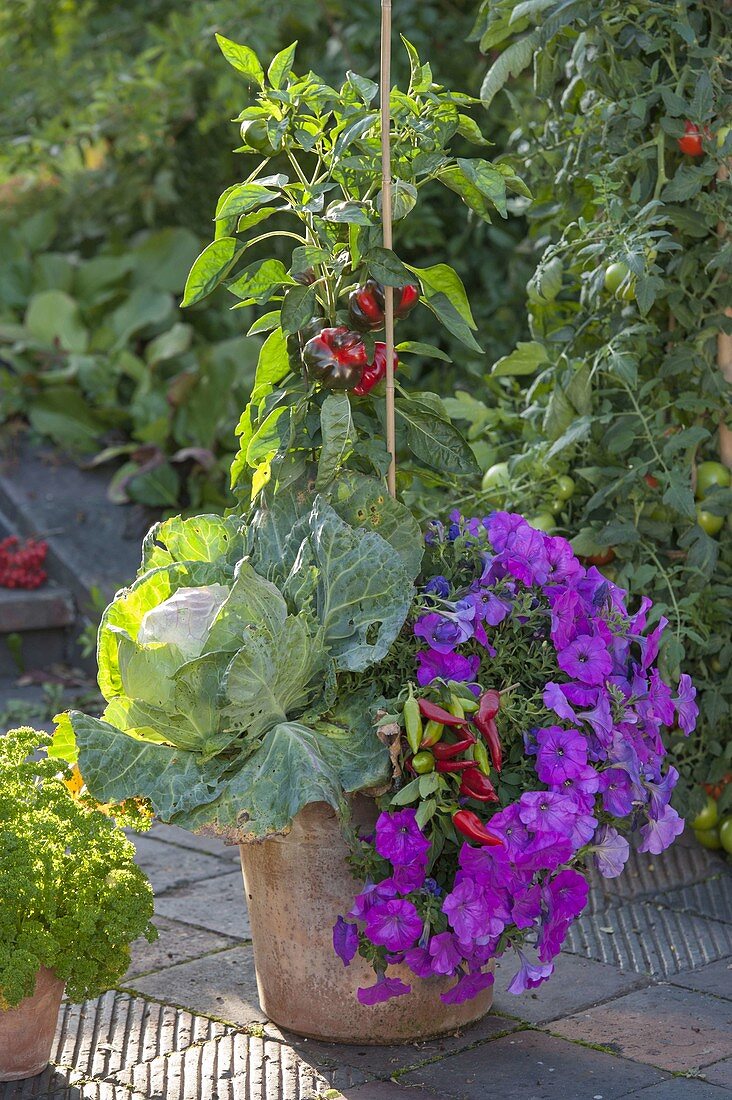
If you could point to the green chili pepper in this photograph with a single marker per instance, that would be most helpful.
(423, 762)
(413, 722)
(480, 755)
(433, 731)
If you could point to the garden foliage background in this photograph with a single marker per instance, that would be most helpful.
(117, 142)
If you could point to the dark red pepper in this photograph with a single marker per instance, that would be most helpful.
(336, 358)
(470, 825)
(453, 765)
(484, 720)
(366, 304)
(443, 750)
(375, 371)
(438, 714)
(478, 786)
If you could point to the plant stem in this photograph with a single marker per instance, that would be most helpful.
(387, 227)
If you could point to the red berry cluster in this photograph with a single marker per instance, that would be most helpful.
(21, 564)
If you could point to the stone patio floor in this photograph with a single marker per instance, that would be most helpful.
(640, 1005)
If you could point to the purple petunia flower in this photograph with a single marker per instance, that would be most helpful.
(384, 990)
(399, 838)
(546, 811)
(582, 788)
(586, 659)
(657, 835)
(547, 850)
(345, 940)
(617, 792)
(443, 633)
(562, 754)
(438, 586)
(611, 851)
(446, 666)
(686, 709)
(660, 792)
(563, 565)
(410, 876)
(394, 924)
(529, 975)
(371, 894)
(555, 699)
(566, 894)
(446, 956)
(649, 645)
(465, 908)
(468, 987)
(601, 719)
(419, 961)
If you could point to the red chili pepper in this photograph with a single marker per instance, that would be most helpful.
(478, 786)
(454, 765)
(439, 714)
(470, 825)
(490, 704)
(375, 371)
(336, 357)
(490, 734)
(446, 751)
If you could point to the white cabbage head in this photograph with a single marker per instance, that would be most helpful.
(184, 619)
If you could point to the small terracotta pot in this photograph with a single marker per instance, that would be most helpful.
(296, 886)
(27, 1031)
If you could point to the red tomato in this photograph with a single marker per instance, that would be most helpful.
(691, 142)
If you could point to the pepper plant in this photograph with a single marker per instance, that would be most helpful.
(325, 309)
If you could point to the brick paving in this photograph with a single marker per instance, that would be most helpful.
(640, 1006)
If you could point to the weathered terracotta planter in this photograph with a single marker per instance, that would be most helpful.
(27, 1031)
(296, 886)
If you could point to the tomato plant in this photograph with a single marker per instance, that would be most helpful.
(619, 381)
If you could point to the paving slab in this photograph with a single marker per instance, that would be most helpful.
(233, 1067)
(679, 1089)
(217, 904)
(98, 1038)
(223, 986)
(387, 1090)
(716, 978)
(168, 867)
(176, 943)
(386, 1061)
(63, 1085)
(712, 898)
(530, 1065)
(171, 834)
(720, 1073)
(646, 876)
(663, 1025)
(649, 939)
(576, 983)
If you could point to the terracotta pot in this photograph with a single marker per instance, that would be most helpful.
(296, 886)
(27, 1031)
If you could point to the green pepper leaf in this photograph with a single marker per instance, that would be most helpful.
(242, 58)
(209, 269)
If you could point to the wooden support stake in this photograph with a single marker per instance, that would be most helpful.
(386, 217)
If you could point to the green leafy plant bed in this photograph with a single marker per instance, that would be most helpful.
(496, 697)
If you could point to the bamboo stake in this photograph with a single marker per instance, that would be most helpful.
(386, 217)
(724, 348)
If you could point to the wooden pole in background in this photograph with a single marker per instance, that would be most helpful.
(386, 217)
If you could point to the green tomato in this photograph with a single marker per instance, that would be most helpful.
(542, 521)
(614, 276)
(709, 522)
(710, 474)
(725, 833)
(423, 762)
(707, 817)
(565, 487)
(722, 135)
(496, 477)
(555, 505)
(708, 838)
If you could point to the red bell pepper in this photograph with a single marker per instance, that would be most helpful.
(470, 825)
(374, 372)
